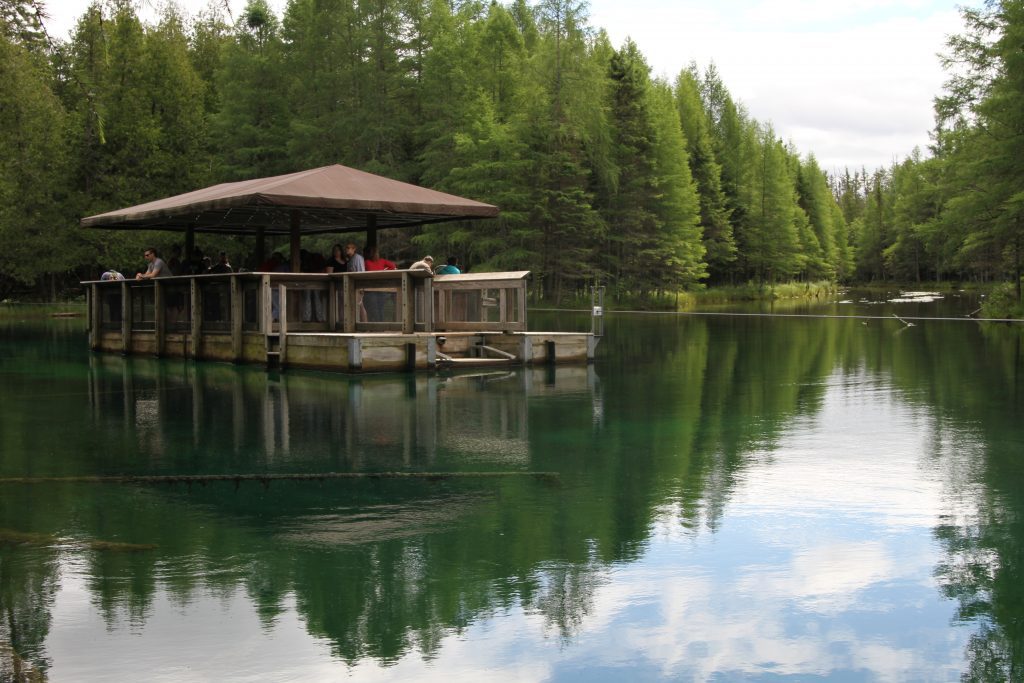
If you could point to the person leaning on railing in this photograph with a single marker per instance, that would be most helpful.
(451, 268)
(426, 263)
(155, 268)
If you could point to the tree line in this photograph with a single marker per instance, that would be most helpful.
(957, 212)
(603, 173)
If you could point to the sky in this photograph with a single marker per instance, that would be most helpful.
(851, 81)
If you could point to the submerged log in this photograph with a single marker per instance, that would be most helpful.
(12, 537)
(265, 479)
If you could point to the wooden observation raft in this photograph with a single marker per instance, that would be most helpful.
(318, 320)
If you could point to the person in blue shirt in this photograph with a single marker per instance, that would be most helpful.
(356, 264)
(451, 268)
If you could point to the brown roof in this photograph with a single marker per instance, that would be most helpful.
(328, 199)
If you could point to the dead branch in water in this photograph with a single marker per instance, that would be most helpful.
(265, 479)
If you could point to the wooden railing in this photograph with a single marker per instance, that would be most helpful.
(404, 301)
(481, 302)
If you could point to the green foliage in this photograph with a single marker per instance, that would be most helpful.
(1003, 302)
(677, 204)
(823, 260)
(717, 232)
(600, 173)
(958, 214)
(770, 235)
(31, 170)
(251, 125)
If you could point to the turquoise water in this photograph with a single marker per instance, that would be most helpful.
(737, 499)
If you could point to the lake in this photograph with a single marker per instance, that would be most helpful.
(734, 498)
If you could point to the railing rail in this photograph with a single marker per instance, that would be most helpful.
(404, 301)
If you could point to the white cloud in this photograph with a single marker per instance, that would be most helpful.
(851, 82)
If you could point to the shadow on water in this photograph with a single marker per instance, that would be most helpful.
(672, 418)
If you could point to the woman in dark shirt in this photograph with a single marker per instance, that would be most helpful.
(336, 262)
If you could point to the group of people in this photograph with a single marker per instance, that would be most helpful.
(343, 259)
(427, 263)
(197, 264)
(347, 259)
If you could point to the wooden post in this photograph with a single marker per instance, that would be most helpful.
(126, 318)
(355, 353)
(431, 352)
(268, 312)
(282, 312)
(371, 232)
(332, 303)
(236, 318)
(197, 317)
(522, 306)
(349, 320)
(261, 246)
(526, 349)
(159, 316)
(296, 241)
(428, 303)
(408, 304)
(95, 317)
(190, 242)
(442, 308)
(503, 306)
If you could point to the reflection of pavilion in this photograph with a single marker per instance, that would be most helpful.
(326, 423)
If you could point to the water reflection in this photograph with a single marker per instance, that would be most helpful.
(738, 498)
(216, 417)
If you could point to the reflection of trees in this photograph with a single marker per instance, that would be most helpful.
(379, 569)
(382, 568)
(28, 584)
(983, 537)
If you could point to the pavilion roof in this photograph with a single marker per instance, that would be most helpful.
(330, 199)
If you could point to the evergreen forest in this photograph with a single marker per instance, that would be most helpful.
(603, 172)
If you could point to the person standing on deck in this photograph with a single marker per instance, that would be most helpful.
(156, 267)
(314, 302)
(356, 265)
(451, 268)
(375, 300)
(174, 263)
(355, 261)
(222, 266)
(336, 263)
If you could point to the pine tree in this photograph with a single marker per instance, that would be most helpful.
(875, 228)
(34, 222)
(915, 209)
(817, 202)
(719, 243)
(562, 109)
(635, 227)
(770, 237)
(733, 137)
(986, 165)
(252, 122)
(677, 204)
(321, 52)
